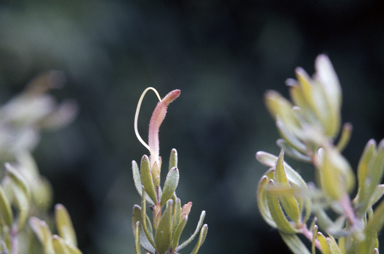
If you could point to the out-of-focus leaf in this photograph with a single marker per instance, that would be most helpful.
(345, 136)
(270, 161)
(376, 170)
(288, 201)
(5, 209)
(291, 151)
(59, 245)
(43, 234)
(323, 243)
(163, 234)
(341, 244)
(327, 76)
(146, 178)
(170, 185)
(314, 234)
(374, 225)
(202, 236)
(18, 179)
(294, 243)
(333, 247)
(277, 213)
(279, 106)
(64, 225)
(42, 193)
(373, 175)
(289, 136)
(337, 177)
(365, 162)
(262, 201)
(22, 204)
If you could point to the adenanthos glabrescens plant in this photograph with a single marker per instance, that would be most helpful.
(25, 195)
(162, 235)
(309, 124)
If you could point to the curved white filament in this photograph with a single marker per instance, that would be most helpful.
(138, 111)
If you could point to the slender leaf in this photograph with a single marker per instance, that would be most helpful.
(294, 243)
(170, 185)
(163, 234)
(199, 224)
(202, 236)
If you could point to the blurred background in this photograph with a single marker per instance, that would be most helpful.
(223, 55)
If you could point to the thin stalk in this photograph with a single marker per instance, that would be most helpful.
(14, 239)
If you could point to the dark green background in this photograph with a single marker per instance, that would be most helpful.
(223, 55)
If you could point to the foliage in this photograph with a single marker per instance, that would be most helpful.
(309, 125)
(25, 195)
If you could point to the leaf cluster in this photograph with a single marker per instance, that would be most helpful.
(309, 125)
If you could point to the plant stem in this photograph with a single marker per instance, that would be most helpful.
(346, 205)
(14, 241)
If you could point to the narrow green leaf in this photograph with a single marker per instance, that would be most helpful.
(290, 137)
(145, 225)
(277, 213)
(331, 179)
(374, 225)
(5, 209)
(136, 233)
(270, 161)
(59, 245)
(314, 234)
(18, 179)
(176, 215)
(22, 204)
(376, 170)
(173, 159)
(170, 185)
(341, 244)
(202, 236)
(64, 225)
(144, 242)
(179, 229)
(136, 177)
(72, 249)
(333, 247)
(365, 162)
(43, 234)
(327, 77)
(163, 234)
(294, 243)
(323, 243)
(281, 110)
(291, 151)
(199, 224)
(288, 201)
(298, 98)
(262, 201)
(146, 178)
(345, 136)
